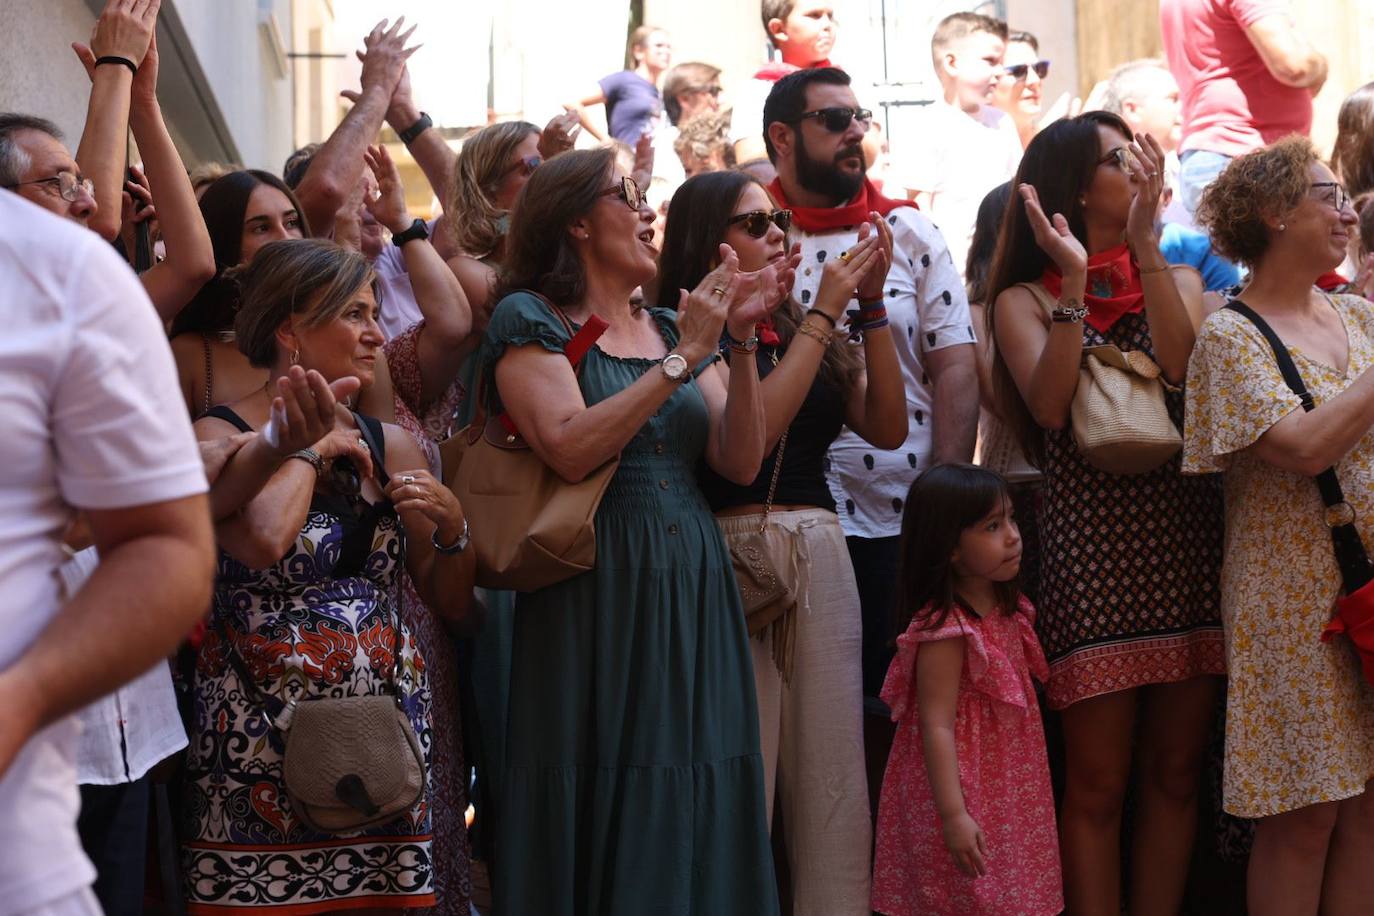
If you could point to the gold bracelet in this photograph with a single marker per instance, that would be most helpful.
(1154, 270)
(810, 330)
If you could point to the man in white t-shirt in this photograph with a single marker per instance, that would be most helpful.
(93, 422)
(959, 147)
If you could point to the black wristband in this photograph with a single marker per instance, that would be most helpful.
(417, 231)
(816, 311)
(410, 133)
(115, 59)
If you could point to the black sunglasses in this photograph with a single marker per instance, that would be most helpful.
(837, 119)
(756, 221)
(627, 190)
(1018, 71)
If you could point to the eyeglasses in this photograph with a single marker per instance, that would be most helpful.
(1340, 197)
(1019, 72)
(528, 164)
(628, 191)
(1122, 156)
(68, 185)
(837, 119)
(756, 221)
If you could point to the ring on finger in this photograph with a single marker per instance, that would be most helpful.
(407, 478)
(844, 256)
(718, 291)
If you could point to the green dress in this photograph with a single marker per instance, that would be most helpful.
(633, 782)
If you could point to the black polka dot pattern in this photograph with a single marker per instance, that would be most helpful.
(920, 416)
(930, 336)
(911, 331)
(849, 506)
(896, 504)
(946, 296)
(868, 462)
(925, 378)
(892, 293)
(925, 260)
(820, 256)
(911, 458)
(892, 220)
(971, 335)
(806, 296)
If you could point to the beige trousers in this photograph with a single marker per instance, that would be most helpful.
(811, 727)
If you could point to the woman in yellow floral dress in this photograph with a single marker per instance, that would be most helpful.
(1300, 718)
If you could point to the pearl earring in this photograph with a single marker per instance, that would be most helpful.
(1282, 226)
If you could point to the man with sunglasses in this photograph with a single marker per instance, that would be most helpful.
(813, 130)
(959, 147)
(1020, 86)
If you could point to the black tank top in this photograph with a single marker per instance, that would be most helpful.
(802, 479)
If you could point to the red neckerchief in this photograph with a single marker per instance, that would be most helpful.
(1113, 286)
(1331, 281)
(824, 219)
(776, 70)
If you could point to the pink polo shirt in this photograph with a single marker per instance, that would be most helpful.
(1231, 102)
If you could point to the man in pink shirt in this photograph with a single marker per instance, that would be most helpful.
(1247, 78)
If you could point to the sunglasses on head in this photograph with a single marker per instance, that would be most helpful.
(627, 190)
(756, 221)
(1019, 72)
(837, 119)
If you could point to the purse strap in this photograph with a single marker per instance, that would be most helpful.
(581, 341)
(1351, 556)
(773, 483)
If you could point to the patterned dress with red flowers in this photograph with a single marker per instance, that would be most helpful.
(1003, 772)
(318, 622)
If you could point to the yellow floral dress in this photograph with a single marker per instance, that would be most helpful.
(1300, 718)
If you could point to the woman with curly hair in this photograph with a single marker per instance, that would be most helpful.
(1300, 719)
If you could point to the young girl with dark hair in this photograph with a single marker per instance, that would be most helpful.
(966, 821)
(1130, 568)
(814, 382)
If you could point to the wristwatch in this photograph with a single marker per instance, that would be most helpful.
(311, 457)
(457, 546)
(418, 231)
(675, 368)
(1069, 310)
(408, 135)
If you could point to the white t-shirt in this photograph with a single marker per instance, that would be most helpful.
(399, 308)
(957, 158)
(927, 310)
(93, 419)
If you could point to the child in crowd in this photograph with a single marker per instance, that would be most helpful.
(966, 147)
(803, 34)
(968, 769)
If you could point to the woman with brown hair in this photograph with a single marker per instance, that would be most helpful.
(1130, 563)
(303, 606)
(807, 662)
(632, 780)
(631, 95)
(1300, 718)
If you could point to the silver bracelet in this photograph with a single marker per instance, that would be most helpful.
(457, 546)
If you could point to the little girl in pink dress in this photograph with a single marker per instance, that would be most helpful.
(966, 817)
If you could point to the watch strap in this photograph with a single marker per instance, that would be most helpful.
(418, 231)
(458, 546)
(421, 125)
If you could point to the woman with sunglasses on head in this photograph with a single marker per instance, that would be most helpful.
(1300, 717)
(1129, 567)
(807, 662)
(303, 604)
(632, 779)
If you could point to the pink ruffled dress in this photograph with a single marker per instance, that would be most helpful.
(1003, 772)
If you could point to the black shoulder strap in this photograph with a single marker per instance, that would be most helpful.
(220, 412)
(370, 428)
(1350, 552)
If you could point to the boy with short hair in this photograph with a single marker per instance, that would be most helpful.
(960, 146)
(803, 34)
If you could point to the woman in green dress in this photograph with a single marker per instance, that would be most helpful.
(633, 782)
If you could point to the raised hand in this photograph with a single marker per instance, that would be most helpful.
(559, 135)
(1054, 237)
(702, 312)
(124, 29)
(643, 170)
(874, 280)
(841, 275)
(1147, 174)
(389, 206)
(758, 294)
(145, 80)
(385, 55)
(306, 409)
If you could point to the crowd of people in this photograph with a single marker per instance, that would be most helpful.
(949, 498)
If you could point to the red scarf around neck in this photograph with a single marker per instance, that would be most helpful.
(1113, 287)
(824, 219)
(776, 70)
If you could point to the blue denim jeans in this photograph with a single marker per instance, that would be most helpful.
(1197, 169)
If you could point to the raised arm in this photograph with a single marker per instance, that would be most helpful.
(335, 169)
(124, 29)
(190, 261)
(448, 318)
(1286, 52)
(597, 127)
